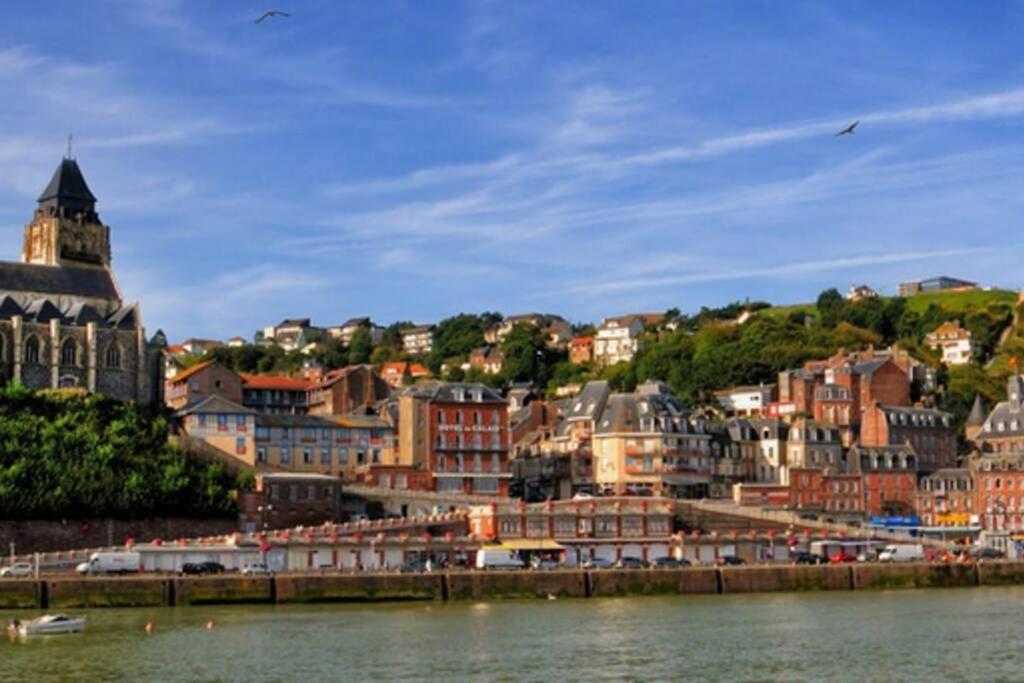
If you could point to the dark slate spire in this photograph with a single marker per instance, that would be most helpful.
(68, 191)
(977, 415)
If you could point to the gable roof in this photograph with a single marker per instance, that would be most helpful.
(213, 405)
(185, 374)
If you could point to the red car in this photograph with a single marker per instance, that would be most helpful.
(840, 557)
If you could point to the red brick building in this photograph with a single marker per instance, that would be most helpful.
(889, 478)
(813, 489)
(947, 498)
(999, 479)
(346, 391)
(930, 432)
(459, 433)
(201, 381)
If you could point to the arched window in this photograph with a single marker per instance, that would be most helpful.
(69, 352)
(113, 356)
(32, 351)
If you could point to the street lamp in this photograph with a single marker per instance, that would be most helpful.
(265, 511)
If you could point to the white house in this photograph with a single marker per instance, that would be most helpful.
(746, 401)
(618, 339)
(954, 341)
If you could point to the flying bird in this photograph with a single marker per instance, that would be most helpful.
(848, 130)
(271, 13)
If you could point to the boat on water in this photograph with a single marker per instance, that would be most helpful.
(50, 624)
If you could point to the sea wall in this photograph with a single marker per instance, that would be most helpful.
(60, 592)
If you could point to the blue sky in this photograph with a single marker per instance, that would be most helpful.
(410, 160)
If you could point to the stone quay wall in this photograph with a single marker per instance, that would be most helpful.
(149, 590)
(45, 536)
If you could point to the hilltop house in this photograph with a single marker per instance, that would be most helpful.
(955, 343)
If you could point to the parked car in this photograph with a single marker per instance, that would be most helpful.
(731, 561)
(598, 563)
(413, 565)
(808, 558)
(987, 554)
(630, 563)
(255, 568)
(18, 569)
(841, 557)
(670, 563)
(582, 496)
(214, 567)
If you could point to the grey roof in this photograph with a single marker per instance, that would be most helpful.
(589, 404)
(1007, 415)
(356, 322)
(449, 391)
(739, 429)
(125, 317)
(293, 421)
(42, 311)
(295, 322)
(651, 413)
(918, 417)
(212, 405)
(81, 313)
(68, 189)
(71, 280)
(777, 429)
(977, 414)
(868, 367)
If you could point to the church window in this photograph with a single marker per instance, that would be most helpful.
(32, 351)
(68, 353)
(113, 356)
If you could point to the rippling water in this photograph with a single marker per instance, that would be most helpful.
(927, 635)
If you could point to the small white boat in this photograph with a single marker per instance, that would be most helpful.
(49, 625)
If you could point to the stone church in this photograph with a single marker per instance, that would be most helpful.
(62, 320)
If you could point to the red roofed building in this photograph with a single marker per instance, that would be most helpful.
(276, 394)
(201, 381)
(581, 350)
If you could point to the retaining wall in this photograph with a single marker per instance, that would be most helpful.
(516, 584)
(621, 582)
(120, 592)
(221, 590)
(156, 590)
(361, 587)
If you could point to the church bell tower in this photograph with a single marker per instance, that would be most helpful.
(65, 229)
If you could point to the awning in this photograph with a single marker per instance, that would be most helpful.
(526, 544)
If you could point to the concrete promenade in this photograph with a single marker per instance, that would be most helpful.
(161, 590)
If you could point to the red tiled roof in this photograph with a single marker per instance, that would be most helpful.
(418, 370)
(581, 340)
(175, 348)
(394, 367)
(181, 376)
(274, 382)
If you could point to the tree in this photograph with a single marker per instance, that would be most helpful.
(361, 347)
(456, 337)
(830, 306)
(525, 351)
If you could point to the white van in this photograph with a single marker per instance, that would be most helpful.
(498, 558)
(111, 563)
(901, 552)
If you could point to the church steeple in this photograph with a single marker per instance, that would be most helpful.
(66, 230)
(67, 193)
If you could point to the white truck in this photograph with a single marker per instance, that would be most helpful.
(902, 552)
(120, 562)
(498, 558)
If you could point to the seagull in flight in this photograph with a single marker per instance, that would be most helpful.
(848, 130)
(271, 13)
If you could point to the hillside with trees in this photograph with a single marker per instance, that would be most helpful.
(68, 454)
